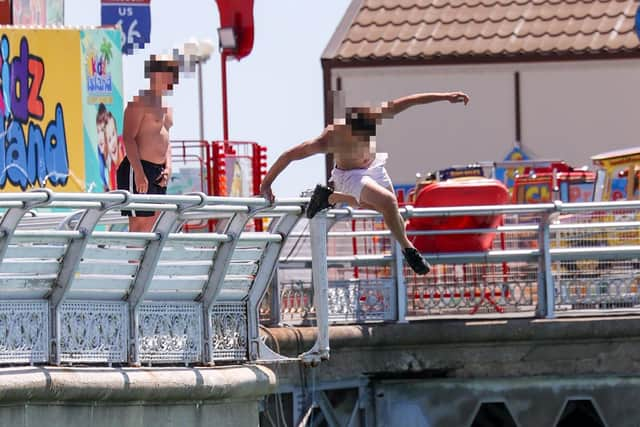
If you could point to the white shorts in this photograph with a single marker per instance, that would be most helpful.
(353, 180)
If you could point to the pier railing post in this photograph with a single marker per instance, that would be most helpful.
(401, 284)
(320, 278)
(546, 292)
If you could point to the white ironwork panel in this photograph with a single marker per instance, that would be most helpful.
(24, 332)
(472, 288)
(229, 340)
(597, 284)
(349, 301)
(170, 332)
(93, 332)
(360, 300)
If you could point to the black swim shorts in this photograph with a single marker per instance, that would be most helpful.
(126, 181)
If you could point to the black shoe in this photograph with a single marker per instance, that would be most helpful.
(416, 261)
(319, 200)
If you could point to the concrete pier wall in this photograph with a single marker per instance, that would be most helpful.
(133, 397)
(441, 373)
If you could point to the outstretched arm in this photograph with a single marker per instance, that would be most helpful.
(301, 151)
(391, 108)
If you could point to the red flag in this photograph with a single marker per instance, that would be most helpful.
(238, 14)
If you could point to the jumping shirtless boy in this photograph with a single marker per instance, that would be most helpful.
(147, 166)
(359, 176)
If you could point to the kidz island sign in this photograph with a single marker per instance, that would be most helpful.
(35, 150)
(42, 99)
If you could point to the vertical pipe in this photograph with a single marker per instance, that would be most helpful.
(200, 102)
(517, 110)
(328, 111)
(225, 116)
(354, 246)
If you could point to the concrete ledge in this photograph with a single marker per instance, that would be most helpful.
(470, 349)
(87, 384)
(293, 340)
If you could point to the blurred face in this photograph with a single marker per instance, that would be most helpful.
(163, 81)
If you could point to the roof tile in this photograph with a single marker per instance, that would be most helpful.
(441, 28)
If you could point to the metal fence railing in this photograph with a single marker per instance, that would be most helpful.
(75, 288)
(81, 291)
(544, 260)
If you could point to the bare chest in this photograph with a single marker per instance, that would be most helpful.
(153, 123)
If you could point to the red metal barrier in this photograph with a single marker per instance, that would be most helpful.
(215, 160)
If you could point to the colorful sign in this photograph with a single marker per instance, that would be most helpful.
(507, 175)
(576, 193)
(638, 22)
(134, 19)
(618, 189)
(403, 191)
(41, 103)
(36, 106)
(102, 107)
(465, 172)
(38, 12)
(536, 192)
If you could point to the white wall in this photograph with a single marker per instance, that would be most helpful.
(578, 109)
(570, 111)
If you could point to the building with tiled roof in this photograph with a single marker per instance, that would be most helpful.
(560, 78)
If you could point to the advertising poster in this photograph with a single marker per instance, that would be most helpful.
(41, 111)
(55, 12)
(102, 107)
(29, 12)
(38, 12)
(239, 176)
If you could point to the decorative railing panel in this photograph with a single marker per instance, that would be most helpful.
(24, 331)
(92, 332)
(170, 333)
(230, 334)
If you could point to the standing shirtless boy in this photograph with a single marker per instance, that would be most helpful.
(359, 176)
(147, 166)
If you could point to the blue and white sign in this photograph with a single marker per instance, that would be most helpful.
(134, 19)
(638, 22)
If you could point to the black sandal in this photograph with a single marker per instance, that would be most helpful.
(319, 200)
(416, 261)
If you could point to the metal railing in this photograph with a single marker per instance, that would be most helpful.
(75, 289)
(80, 292)
(543, 260)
